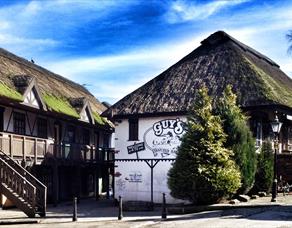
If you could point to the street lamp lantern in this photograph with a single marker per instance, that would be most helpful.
(276, 127)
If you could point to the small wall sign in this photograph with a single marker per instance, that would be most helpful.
(135, 148)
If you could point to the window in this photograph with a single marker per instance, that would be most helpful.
(71, 134)
(42, 128)
(106, 140)
(1, 119)
(133, 129)
(86, 137)
(19, 123)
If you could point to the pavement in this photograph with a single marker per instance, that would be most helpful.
(93, 213)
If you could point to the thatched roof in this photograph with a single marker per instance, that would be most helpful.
(58, 93)
(219, 61)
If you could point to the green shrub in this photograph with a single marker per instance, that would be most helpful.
(265, 169)
(203, 171)
(239, 138)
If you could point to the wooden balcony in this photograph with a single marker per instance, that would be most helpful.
(35, 149)
(80, 152)
(21, 147)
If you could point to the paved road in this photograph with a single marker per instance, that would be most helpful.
(103, 214)
(280, 216)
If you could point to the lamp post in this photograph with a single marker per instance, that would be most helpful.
(276, 127)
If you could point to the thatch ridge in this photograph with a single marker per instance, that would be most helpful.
(221, 36)
(219, 61)
(15, 70)
(40, 69)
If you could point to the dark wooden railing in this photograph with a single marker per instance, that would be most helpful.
(80, 152)
(39, 189)
(35, 149)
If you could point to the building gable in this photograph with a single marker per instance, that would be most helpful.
(32, 96)
(86, 113)
(31, 99)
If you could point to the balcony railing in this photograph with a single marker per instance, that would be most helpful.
(19, 146)
(36, 149)
(80, 152)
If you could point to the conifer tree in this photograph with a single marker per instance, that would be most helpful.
(203, 171)
(265, 169)
(239, 138)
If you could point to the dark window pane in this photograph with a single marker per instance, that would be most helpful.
(133, 129)
(71, 134)
(1, 119)
(106, 140)
(42, 128)
(86, 137)
(19, 123)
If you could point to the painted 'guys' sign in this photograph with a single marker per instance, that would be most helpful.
(175, 124)
(163, 138)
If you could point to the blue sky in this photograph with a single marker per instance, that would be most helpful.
(113, 47)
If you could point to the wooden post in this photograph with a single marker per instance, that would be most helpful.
(107, 174)
(107, 181)
(24, 148)
(113, 175)
(45, 147)
(79, 182)
(97, 181)
(11, 146)
(91, 153)
(94, 182)
(35, 150)
(55, 184)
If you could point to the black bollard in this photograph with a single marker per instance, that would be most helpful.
(74, 218)
(120, 217)
(163, 214)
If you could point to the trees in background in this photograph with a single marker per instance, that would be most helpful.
(239, 138)
(265, 169)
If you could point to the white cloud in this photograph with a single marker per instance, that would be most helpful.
(126, 71)
(113, 91)
(181, 11)
(28, 42)
(156, 57)
(26, 27)
(112, 77)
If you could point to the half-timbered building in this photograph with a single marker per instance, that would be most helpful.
(50, 127)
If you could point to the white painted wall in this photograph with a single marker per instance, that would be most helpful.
(161, 140)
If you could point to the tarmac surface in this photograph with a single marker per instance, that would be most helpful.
(255, 213)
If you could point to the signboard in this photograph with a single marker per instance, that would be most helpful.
(135, 148)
